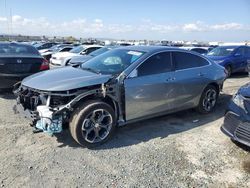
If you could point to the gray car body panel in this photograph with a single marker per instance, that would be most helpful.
(64, 79)
(168, 92)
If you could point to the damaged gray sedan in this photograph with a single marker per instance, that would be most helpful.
(121, 86)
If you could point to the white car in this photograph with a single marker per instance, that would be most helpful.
(47, 53)
(61, 59)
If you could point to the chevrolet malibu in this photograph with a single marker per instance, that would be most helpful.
(118, 87)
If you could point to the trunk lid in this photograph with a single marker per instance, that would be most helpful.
(20, 65)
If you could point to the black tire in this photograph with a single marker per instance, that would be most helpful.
(229, 70)
(204, 103)
(83, 115)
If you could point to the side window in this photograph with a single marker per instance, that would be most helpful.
(89, 50)
(156, 64)
(248, 51)
(242, 51)
(200, 50)
(184, 60)
(66, 49)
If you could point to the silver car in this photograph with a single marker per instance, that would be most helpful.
(118, 87)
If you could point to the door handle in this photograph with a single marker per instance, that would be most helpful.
(170, 79)
(201, 74)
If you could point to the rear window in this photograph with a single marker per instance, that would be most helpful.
(17, 49)
(199, 50)
(186, 60)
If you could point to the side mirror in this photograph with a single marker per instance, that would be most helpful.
(237, 55)
(83, 53)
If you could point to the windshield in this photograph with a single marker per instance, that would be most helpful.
(98, 52)
(112, 62)
(17, 49)
(221, 51)
(38, 45)
(77, 49)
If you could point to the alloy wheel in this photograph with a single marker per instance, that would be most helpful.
(97, 125)
(209, 100)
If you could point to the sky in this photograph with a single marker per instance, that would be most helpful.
(202, 20)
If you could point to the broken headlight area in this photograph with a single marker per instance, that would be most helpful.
(47, 110)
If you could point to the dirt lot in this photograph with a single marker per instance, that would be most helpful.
(179, 150)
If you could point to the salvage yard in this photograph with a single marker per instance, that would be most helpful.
(185, 149)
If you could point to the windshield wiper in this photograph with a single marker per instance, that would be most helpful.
(90, 69)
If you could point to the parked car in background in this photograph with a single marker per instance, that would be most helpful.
(118, 87)
(76, 61)
(233, 58)
(47, 53)
(200, 50)
(61, 59)
(45, 45)
(18, 61)
(237, 118)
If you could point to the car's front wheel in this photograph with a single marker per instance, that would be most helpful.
(92, 123)
(208, 99)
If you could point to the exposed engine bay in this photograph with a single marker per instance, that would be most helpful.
(48, 110)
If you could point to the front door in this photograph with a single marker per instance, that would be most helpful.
(150, 90)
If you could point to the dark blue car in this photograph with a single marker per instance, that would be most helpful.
(233, 58)
(237, 118)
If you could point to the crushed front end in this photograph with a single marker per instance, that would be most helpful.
(46, 110)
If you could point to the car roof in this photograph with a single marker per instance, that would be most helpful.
(149, 48)
(234, 46)
(153, 49)
(92, 45)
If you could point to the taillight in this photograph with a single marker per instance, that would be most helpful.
(44, 65)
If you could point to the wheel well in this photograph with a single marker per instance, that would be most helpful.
(107, 100)
(216, 86)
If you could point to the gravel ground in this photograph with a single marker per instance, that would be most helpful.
(185, 149)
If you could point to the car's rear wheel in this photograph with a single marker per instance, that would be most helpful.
(229, 70)
(208, 99)
(92, 123)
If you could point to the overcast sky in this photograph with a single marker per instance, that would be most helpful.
(206, 20)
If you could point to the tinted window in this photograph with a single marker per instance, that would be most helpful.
(186, 60)
(89, 50)
(241, 51)
(248, 51)
(156, 64)
(66, 49)
(199, 50)
(7, 49)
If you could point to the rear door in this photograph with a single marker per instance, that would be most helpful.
(149, 88)
(190, 78)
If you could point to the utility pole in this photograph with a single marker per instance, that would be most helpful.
(11, 21)
(7, 23)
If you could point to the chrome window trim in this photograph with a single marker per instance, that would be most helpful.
(172, 63)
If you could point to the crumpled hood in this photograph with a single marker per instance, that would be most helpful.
(63, 79)
(245, 90)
